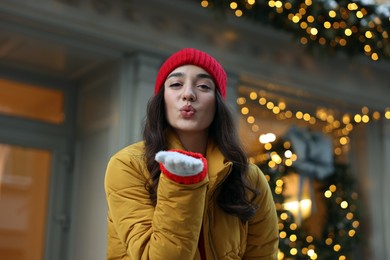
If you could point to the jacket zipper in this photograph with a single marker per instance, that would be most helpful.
(208, 214)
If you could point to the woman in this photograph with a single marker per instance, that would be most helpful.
(187, 191)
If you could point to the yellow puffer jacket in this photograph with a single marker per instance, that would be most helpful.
(171, 230)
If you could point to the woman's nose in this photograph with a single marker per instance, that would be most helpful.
(189, 94)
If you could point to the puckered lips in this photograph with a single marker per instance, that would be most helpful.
(187, 111)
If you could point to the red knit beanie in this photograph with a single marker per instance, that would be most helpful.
(190, 56)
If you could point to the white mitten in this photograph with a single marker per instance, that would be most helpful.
(179, 164)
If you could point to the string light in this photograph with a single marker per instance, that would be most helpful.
(345, 25)
(340, 127)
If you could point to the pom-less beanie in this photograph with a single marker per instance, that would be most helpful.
(191, 56)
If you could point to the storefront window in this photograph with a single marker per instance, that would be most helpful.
(31, 102)
(24, 185)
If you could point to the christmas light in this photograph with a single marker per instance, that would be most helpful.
(347, 26)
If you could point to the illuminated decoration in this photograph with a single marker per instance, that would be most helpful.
(332, 232)
(335, 123)
(320, 226)
(323, 26)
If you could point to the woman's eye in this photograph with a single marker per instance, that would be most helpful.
(204, 87)
(175, 84)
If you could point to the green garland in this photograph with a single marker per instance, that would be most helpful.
(324, 27)
(340, 234)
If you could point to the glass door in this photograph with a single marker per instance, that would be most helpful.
(24, 186)
(36, 144)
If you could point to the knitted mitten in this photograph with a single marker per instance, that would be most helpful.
(179, 163)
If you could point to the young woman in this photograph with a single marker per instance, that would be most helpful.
(187, 191)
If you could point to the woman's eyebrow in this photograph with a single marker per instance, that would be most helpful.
(180, 74)
(176, 74)
(204, 76)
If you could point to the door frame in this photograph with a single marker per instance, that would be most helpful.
(59, 139)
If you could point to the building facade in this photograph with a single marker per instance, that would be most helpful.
(75, 78)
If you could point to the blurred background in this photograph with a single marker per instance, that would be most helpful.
(308, 84)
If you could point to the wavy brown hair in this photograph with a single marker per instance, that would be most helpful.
(232, 195)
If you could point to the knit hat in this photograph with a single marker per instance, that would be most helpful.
(190, 56)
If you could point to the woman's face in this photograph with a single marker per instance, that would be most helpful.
(189, 95)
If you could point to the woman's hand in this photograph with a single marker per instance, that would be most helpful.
(180, 164)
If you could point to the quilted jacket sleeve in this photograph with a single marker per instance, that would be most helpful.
(168, 231)
(263, 234)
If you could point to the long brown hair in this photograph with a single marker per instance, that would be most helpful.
(232, 196)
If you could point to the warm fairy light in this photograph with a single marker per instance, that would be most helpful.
(374, 56)
(279, 183)
(332, 14)
(348, 32)
(283, 216)
(365, 110)
(276, 110)
(268, 146)
(299, 115)
(233, 5)
(336, 247)
(204, 3)
(241, 101)
(344, 204)
(329, 241)
(310, 252)
(244, 110)
(280, 226)
(296, 19)
(262, 101)
(250, 119)
(271, 164)
(255, 128)
(282, 105)
(346, 119)
(328, 194)
(280, 255)
(238, 13)
(357, 118)
(293, 251)
(355, 224)
(289, 114)
(293, 226)
(349, 216)
(283, 234)
(343, 140)
(276, 158)
(387, 113)
(352, 6)
(368, 35)
(253, 95)
(309, 239)
(270, 104)
(306, 117)
(288, 162)
(359, 14)
(376, 115)
(365, 118)
(293, 238)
